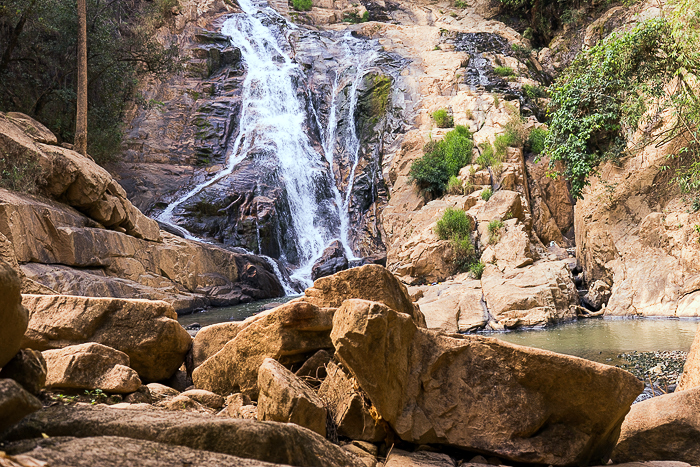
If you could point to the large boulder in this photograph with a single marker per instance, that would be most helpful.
(90, 366)
(114, 451)
(691, 370)
(331, 261)
(28, 368)
(541, 294)
(279, 443)
(665, 427)
(481, 394)
(400, 458)
(285, 398)
(210, 339)
(289, 334)
(454, 305)
(12, 314)
(147, 331)
(348, 409)
(15, 403)
(370, 282)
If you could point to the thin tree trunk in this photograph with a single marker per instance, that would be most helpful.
(81, 114)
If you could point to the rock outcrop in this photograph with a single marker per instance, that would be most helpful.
(285, 398)
(12, 314)
(90, 366)
(665, 427)
(146, 331)
(466, 391)
(15, 403)
(88, 260)
(690, 378)
(278, 443)
(288, 334)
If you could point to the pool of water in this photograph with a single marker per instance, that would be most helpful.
(231, 313)
(603, 339)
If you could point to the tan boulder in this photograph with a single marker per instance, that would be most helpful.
(539, 294)
(285, 398)
(347, 406)
(278, 443)
(15, 403)
(32, 128)
(183, 403)
(13, 315)
(454, 305)
(690, 378)
(160, 391)
(369, 282)
(90, 366)
(147, 331)
(510, 245)
(503, 204)
(206, 398)
(287, 333)
(28, 368)
(241, 406)
(552, 205)
(481, 394)
(665, 427)
(210, 339)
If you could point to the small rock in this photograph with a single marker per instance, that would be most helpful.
(315, 367)
(206, 398)
(15, 403)
(28, 368)
(90, 366)
(141, 396)
(160, 391)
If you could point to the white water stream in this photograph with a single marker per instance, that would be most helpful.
(272, 122)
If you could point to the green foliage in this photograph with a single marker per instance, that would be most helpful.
(38, 42)
(454, 222)
(477, 270)
(536, 140)
(454, 186)
(534, 92)
(303, 5)
(504, 71)
(443, 119)
(496, 101)
(487, 156)
(602, 98)
(442, 160)
(457, 227)
(486, 194)
(19, 172)
(502, 142)
(494, 229)
(460, 4)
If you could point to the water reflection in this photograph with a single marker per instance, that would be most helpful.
(602, 340)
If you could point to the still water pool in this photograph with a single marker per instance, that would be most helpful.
(603, 339)
(231, 313)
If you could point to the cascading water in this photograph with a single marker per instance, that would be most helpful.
(273, 133)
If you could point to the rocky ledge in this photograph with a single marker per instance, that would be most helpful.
(346, 375)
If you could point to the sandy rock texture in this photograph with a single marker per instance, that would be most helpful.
(278, 443)
(691, 370)
(147, 331)
(469, 391)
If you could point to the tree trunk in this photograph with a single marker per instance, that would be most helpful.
(80, 141)
(14, 36)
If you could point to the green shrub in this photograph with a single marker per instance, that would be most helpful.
(443, 119)
(504, 71)
(602, 98)
(487, 157)
(441, 160)
(502, 143)
(477, 270)
(486, 194)
(537, 139)
(454, 186)
(20, 173)
(494, 228)
(301, 5)
(464, 253)
(461, 4)
(533, 92)
(496, 101)
(454, 222)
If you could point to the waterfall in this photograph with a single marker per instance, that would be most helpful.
(273, 132)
